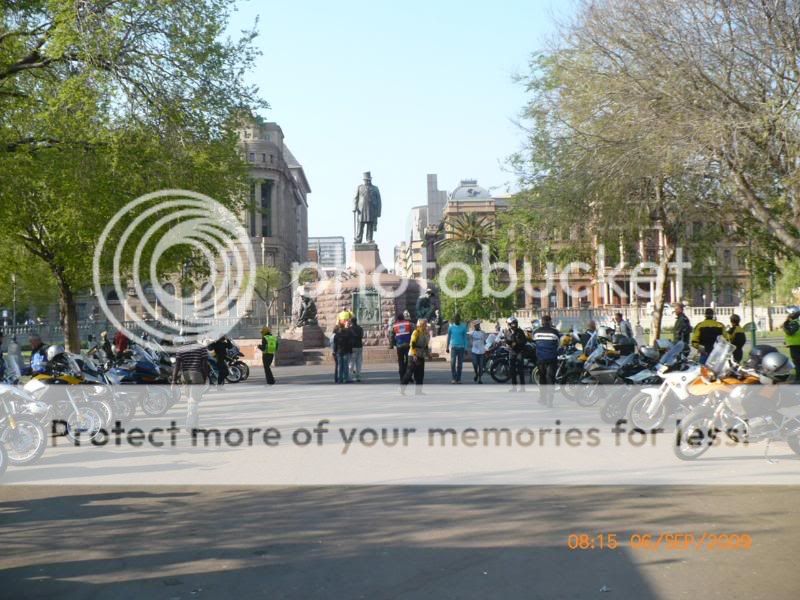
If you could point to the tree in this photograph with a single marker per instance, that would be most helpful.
(100, 103)
(708, 80)
(268, 282)
(471, 231)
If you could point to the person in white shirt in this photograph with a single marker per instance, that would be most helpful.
(477, 351)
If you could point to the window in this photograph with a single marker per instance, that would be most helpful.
(247, 134)
(266, 208)
(726, 258)
(264, 157)
(272, 159)
(252, 211)
(252, 157)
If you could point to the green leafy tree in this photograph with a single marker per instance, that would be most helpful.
(102, 102)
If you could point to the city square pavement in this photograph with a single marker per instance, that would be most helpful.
(122, 536)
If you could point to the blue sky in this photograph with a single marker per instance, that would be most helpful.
(401, 89)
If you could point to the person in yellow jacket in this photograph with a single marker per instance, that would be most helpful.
(706, 332)
(269, 348)
(791, 332)
(418, 352)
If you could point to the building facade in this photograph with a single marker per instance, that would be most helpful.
(328, 252)
(277, 216)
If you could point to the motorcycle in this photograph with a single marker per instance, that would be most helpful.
(741, 406)
(22, 434)
(634, 371)
(60, 398)
(674, 397)
(500, 368)
(234, 359)
(124, 407)
(147, 380)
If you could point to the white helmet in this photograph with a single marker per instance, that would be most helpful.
(54, 351)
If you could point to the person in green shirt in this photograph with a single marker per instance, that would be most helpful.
(268, 347)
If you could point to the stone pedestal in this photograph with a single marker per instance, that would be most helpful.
(366, 256)
(312, 336)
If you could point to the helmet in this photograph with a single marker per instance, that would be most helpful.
(511, 320)
(54, 351)
(757, 355)
(605, 333)
(650, 353)
(619, 339)
(776, 366)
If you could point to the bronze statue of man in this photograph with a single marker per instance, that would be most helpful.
(366, 209)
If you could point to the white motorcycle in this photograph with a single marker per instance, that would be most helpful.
(652, 406)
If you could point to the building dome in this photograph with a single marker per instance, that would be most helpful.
(469, 189)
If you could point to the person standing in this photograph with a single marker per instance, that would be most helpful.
(622, 325)
(456, 347)
(342, 349)
(426, 305)
(418, 352)
(121, 343)
(357, 333)
(517, 342)
(546, 341)
(706, 333)
(683, 328)
(220, 350)
(38, 361)
(268, 347)
(400, 339)
(737, 337)
(477, 351)
(191, 365)
(791, 331)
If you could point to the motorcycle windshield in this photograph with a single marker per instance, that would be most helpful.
(595, 356)
(672, 354)
(718, 359)
(628, 361)
(68, 361)
(140, 355)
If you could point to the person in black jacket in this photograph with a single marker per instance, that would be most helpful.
(517, 342)
(356, 360)
(737, 337)
(342, 346)
(682, 331)
(546, 339)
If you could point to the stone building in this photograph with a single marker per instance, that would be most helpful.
(277, 218)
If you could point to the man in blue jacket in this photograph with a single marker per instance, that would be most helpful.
(546, 339)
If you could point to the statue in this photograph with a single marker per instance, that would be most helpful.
(308, 312)
(427, 305)
(366, 210)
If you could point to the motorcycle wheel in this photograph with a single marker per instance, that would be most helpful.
(234, 374)
(84, 421)
(612, 411)
(106, 411)
(794, 443)
(124, 409)
(156, 401)
(500, 372)
(3, 460)
(245, 370)
(639, 419)
(589, 393)
(698, 424)
(571, 388)
(24, 443)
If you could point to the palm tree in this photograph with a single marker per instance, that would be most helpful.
(469, 230)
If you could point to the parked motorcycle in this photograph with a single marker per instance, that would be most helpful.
(58, 392)
(743, 410)
(22, 434)
(147, 379)
(675, 397)
(633, 373)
